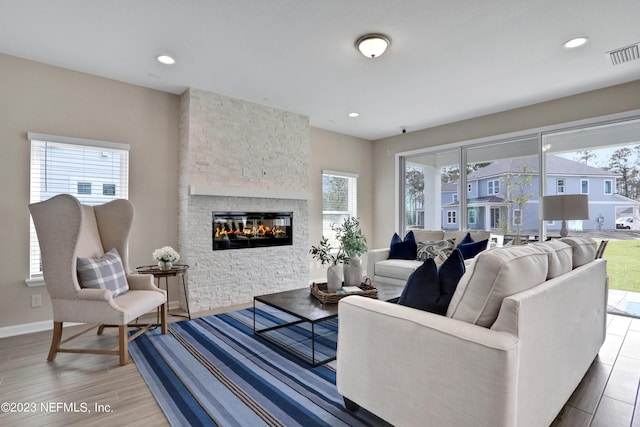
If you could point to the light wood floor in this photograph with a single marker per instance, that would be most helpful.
(606, 396)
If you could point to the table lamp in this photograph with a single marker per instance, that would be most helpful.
(565, 207)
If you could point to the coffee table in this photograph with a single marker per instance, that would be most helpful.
(306, 308)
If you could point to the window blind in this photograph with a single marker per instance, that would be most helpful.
(339, 201)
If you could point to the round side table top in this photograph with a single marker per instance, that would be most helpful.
(177, 269)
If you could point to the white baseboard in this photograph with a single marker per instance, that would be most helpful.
(46, 325)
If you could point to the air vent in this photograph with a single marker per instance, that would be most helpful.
(624, 54)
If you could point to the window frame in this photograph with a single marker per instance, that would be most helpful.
(49, 170)
(584, 181)
(352, 202)
(610, 182)
(563, 185)
(452, 217)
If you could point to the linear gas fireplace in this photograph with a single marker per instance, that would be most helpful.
(239, 230)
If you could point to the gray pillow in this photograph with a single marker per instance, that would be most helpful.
(436, 249)
(106, 272)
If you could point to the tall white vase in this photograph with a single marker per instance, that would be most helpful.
(353, 271)
(334, 277)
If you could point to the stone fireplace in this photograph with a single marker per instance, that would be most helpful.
(273, 179)
(246, 230)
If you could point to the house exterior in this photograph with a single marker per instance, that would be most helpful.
(491, 208)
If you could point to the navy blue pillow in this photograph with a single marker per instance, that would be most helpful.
(422, 289)
(467, 239)
(469, 250)
(403, 249)
(431, 289)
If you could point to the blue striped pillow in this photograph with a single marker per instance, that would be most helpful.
(106, 272)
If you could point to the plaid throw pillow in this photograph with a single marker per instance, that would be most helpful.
(106, 272)
(437, 249)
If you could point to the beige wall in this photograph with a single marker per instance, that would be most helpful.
(39, 98)
(340, 153)
(601, 102)
(45, 99)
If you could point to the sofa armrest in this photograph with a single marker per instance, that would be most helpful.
(411, 367)
(373, 256)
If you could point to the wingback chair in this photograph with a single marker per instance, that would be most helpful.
(68, 230)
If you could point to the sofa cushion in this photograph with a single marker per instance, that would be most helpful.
(466, 239)
(493, 275)
(403, 249)
(396, 268)
(437, 249)
(429, 288)
(560, 256)
(106, 272)
(470, 250)
(584, 249)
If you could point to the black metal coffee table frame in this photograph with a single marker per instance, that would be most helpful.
(307, 309)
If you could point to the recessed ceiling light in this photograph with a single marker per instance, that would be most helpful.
(354, 114)
(576, 42)
(166, 59)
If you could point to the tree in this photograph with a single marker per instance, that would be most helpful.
(514, 186)
(620, 162)
(414, 184)
(585, 156)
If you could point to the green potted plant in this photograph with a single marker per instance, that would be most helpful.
(354, 244)
(323, 253)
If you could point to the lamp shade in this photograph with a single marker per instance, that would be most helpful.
(565, 206)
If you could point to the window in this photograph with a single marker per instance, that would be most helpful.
(472, 216)
(451, 217)
(584, 186)
(108, 189)
(339, 201)
(83, 188)
(493, 187)
(517, 217)
(454, 197)
(560, 186)
(608, 186)
(74, 166)
(468, 188)
(495, 217)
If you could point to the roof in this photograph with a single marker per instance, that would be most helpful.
(555, 165)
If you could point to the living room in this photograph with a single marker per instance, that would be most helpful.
(44, 98)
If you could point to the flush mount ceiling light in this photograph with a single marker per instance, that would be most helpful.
(576, 42)
(354, 114)
(166, 59)
(373, 45)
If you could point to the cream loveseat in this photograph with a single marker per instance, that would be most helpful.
(381, 269)
(522, 328)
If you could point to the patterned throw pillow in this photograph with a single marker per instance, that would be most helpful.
(106, 272)
(436, 249)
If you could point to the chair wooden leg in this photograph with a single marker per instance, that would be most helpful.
(55, 341)
(163, 318)
(124, 344)
(101, 329)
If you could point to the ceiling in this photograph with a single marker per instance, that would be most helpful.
(448, 61)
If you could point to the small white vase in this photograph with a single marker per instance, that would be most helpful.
(353, 271)
(165, 265)
(334, 277)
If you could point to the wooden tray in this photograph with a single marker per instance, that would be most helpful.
(319, 290)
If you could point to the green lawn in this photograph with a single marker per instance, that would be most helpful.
(623, 264)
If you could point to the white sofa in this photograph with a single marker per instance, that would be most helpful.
(510, 352)
(381, 269)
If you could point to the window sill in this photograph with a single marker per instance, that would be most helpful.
(34, 282)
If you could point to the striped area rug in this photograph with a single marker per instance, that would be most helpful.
(214, 371)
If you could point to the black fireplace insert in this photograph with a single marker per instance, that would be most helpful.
(239, 230)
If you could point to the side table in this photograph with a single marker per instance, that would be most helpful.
(175, 271)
